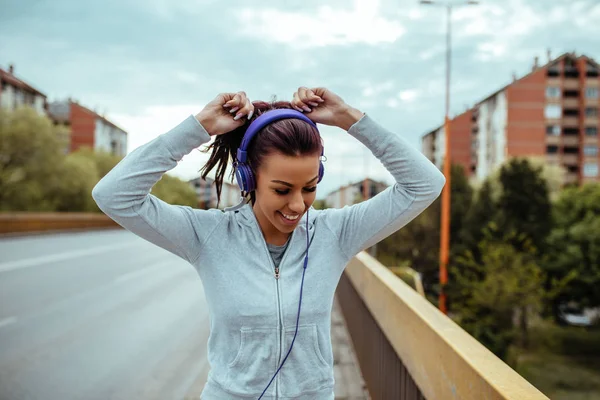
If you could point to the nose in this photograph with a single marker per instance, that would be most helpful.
(297, 204)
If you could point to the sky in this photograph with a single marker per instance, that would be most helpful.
(149, 64)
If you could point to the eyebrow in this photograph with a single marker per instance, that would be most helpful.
(290, 185)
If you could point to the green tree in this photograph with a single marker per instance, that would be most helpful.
(175, 191)
(103, 160)
(31, 154)
(483, 210)
(524, 204)
(418, 242)
(505, 283)
(573, 258)
(461, 200)
(73, 191)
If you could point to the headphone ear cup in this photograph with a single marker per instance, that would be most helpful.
(245, 178)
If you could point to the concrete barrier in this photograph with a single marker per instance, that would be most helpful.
(22, 223)
(409, 350)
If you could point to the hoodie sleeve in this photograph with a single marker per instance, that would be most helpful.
(418, 184)
(124, 194)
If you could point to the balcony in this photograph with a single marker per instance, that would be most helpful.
(571, 177)
(571, 102)
(570, 140)
(552, 140)
(571, 84)
(570, 159)
(570, 121)
(552, 159)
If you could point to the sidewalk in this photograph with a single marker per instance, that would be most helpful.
(349, 384)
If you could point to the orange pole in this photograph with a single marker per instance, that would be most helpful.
(445, 222)
(445, 218)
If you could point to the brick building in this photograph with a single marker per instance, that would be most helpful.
(551, 113)
(87, 128)
(15, 93)
(206, 193)
(354, 192)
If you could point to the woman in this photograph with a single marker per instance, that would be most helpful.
(269, 268)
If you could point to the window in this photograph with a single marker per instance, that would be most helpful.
(553, 70)
(591, 111)
(591, 131)
(552, 92)
(553, 130)
(571, 112)
(552, 111)
(571, 150)
(590, 170)
(570, 131)
(551, 149)
(590, 150)
(591, 70)
(591, 93)
(571, 93)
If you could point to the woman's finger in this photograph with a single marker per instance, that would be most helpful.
(299, 103)
(236, 102)
(312, 98)
(247, 109)
(308, 97)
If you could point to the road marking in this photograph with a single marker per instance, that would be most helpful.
(31, 262)
(133, 274)
(7, 321)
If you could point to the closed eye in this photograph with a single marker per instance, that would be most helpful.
(283, 192)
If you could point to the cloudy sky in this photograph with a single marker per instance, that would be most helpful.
(149, 64)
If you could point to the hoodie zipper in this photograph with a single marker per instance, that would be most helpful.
(279, 311)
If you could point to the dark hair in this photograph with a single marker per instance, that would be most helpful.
(290, 137)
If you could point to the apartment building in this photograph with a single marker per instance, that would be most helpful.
(354, 192)
(206, 193)
(88, 128)
(15, 93)
(550, 113)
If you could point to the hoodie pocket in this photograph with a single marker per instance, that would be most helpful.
(250, 371)
(305, 370)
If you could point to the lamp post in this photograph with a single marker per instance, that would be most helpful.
(445, 218)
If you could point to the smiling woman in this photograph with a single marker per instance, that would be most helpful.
(269, 338)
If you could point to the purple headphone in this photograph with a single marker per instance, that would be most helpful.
(243, 173)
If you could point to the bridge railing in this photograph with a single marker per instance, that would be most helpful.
(407, 349)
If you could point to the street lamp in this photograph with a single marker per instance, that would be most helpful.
(445, 218)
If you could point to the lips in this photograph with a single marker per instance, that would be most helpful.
(288, 221)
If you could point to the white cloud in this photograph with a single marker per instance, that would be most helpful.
(408, 95)
(187, 77)
(156, 120)
(491, 50)
(392, 103)
(327, 26)
(371, 90)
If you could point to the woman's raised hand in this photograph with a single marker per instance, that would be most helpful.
(225, 113)
(323, 106)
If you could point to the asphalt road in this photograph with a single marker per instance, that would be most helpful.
(99, 315)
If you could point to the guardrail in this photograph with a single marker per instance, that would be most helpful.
(27, 223)
(409, 350)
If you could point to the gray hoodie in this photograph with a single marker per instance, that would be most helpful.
(253, 314)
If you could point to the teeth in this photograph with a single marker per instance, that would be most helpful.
(291, 218)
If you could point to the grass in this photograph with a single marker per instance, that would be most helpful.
(562, 362)
(562, 377)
